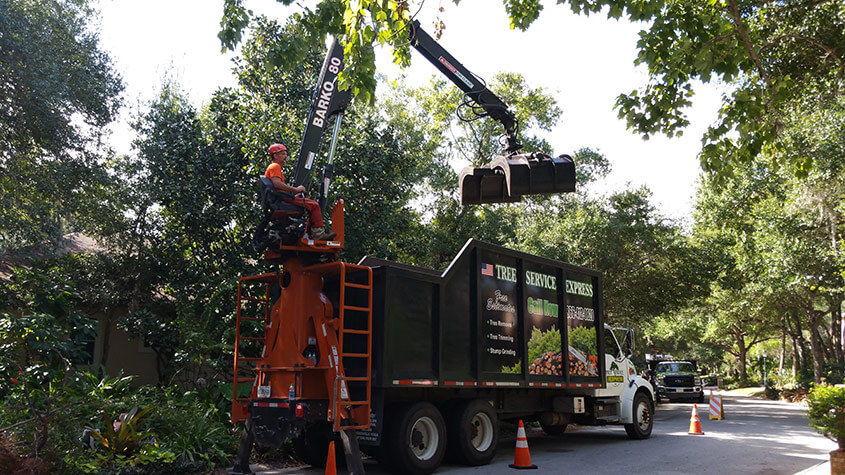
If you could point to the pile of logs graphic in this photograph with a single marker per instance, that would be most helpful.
(549, 363)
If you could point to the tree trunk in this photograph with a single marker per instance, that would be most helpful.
(836, 328)
(800, 343)
(742, 353)
(104, 355)
(815, 343)
(782, 348)
(823, 336)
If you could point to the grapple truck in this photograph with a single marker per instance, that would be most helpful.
(407, 363)
(415, 362)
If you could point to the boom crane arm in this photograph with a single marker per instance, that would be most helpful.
(506, 178)
(472, 86)
(327, 101)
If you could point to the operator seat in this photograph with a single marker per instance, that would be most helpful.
(273, 201)
(287, 221)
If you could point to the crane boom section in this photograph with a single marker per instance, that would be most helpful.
(327, 101)
(473, 87)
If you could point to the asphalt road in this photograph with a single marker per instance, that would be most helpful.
(757, 437)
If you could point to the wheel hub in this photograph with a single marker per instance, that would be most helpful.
(424, 439)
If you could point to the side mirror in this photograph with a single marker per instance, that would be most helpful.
(629, 342)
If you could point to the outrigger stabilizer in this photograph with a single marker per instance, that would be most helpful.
(508, 177)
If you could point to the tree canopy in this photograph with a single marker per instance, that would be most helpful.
(57, 91)
(775, 58)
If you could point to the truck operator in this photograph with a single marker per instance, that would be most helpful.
(279, 155)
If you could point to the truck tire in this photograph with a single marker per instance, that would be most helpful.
(416, 438)
(701, 398)
(553, 430)
(643, 417)
(473, 432)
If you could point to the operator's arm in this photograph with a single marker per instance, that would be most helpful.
(282, 186)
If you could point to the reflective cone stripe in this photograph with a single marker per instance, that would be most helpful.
(521, 458)
(716, 407)
(695, 422)
(331, 468)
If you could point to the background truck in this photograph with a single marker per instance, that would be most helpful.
(676, 379)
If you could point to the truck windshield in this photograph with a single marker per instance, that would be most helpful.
(675, 368)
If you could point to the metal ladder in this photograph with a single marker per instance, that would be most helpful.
(246, 364)
(351, 393)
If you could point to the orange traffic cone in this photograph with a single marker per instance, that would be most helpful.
(331, 466)
(695, 422)
(522, 458)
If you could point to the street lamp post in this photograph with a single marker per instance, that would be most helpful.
(764, 368)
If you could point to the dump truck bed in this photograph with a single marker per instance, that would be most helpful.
(494, 318)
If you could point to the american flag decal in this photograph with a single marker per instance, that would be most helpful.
(487, 269)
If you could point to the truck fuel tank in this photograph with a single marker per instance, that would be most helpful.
(507, 179)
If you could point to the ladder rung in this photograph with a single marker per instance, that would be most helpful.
(357, 286)
(251, 338)
(354, 355)
(358, 309)
(243, 380)
(249, 358)
(356, 332)
(355, 378)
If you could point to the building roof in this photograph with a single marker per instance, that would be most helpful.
(73, 243)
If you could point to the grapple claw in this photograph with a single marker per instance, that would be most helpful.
(507, 179)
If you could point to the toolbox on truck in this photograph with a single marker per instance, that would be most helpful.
(494, 318)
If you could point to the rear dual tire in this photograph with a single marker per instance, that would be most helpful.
(415, 438)
(473, 432)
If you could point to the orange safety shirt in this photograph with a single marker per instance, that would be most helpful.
(274, 169)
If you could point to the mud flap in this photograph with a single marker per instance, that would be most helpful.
(352, 452)
(508, 179)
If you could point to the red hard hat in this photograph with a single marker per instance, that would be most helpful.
(277, 147)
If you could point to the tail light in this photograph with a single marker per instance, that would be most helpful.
(299, 412)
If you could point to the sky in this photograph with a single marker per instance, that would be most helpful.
(584, 62)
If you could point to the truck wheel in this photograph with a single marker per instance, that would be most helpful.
(416, 438)
(643, 418)
(701, 398)
(473, 432)
(553, 430)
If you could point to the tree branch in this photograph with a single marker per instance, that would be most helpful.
(743, 35)
(829, 52)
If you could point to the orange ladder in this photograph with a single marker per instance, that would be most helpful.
(246, 364)
(350, 385)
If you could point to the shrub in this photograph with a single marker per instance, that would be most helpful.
(827, 411)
